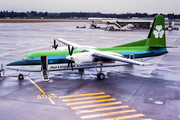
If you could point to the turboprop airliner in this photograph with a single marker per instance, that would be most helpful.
(80, 57)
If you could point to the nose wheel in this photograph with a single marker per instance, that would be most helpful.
(20, 77)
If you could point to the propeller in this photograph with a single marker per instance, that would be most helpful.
(55, 45)
(70, 54)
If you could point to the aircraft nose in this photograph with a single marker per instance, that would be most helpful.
(16, 63)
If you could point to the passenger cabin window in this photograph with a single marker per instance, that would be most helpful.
(31, 58)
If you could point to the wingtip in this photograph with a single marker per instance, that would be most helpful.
(142, 65)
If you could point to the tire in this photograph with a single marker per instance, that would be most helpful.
(20, 77)
(100, 76)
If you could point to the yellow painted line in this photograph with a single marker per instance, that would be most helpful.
(51, 101)
(101, 109)
(80, 95)
(147, 119)
(126, 117)
(107, 114)
(85, 98)
(36, 85)
(93, 101)
(43, 93)
(96, 105)
(10, 76)
(49, 96)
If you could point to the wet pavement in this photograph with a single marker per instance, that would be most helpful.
(128, 92)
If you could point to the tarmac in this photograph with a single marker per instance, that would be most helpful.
(127, 92)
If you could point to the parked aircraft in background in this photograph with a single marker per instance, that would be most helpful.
(84, 26)
(127, 27)
(171, 27)
(80, 57)
(94, 25)
(114, 27)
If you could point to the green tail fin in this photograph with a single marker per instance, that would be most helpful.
(157, 37)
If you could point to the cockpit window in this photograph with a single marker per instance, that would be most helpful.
(28, 58)
(25, 58)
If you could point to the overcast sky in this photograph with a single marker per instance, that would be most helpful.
(103, 6)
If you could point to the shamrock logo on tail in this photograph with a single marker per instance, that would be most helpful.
(158, 32)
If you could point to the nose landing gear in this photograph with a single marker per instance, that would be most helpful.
(20, 77)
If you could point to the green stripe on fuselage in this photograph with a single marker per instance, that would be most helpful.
(54, 57)
(136, 51)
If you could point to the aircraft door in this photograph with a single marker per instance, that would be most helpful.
(44, 68)
(131, 56)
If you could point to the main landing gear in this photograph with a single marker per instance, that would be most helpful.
(100, 75)
(21, 76)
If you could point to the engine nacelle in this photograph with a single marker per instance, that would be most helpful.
(80, 58)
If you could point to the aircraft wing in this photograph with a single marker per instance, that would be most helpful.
(118, 58)
(65, 42)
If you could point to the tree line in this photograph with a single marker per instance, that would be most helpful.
(85, 15)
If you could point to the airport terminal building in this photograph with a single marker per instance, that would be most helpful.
(145, 24)
(138, 23)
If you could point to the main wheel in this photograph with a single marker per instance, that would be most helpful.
(100, 76)
(20, 77)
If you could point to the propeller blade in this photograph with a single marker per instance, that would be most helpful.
(70, 53)
(72, 50)
(69, 49)
(68, 64)
(54, 42)
(71, 67)
(55, 45)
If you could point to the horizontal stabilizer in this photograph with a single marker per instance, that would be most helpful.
(163, 46)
